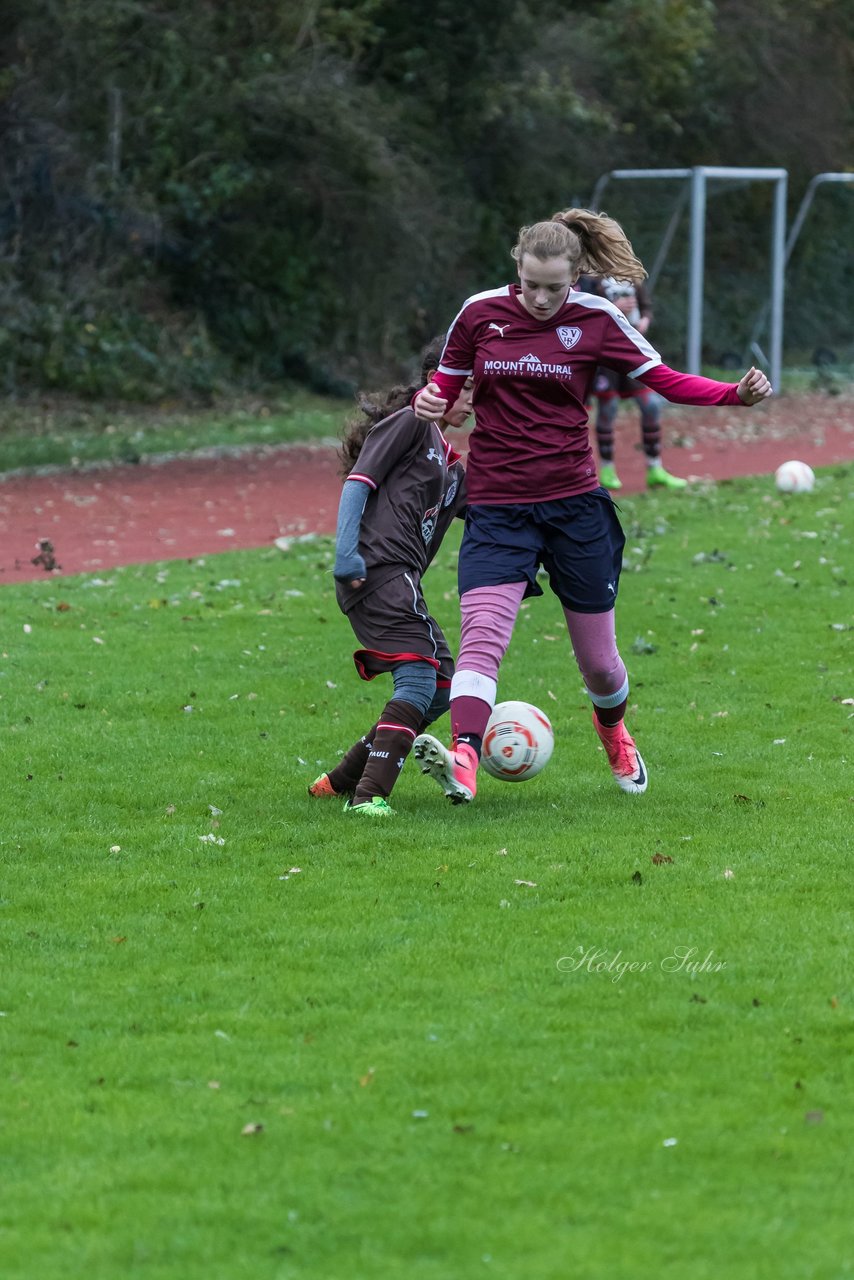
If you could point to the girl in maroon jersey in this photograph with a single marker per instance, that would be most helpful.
(532, 348)
(404, 485)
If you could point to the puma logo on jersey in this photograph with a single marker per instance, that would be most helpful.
(611, 588)
(499, 328)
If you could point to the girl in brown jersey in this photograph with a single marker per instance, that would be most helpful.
(534, 498)
(403, 486)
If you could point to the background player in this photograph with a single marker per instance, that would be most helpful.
(610, 387)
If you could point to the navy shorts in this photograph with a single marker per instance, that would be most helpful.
(579, 541)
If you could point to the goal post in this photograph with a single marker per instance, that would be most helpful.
(794, 232)
(698, 178)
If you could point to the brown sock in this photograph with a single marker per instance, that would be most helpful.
(346, 774)
(395, 734)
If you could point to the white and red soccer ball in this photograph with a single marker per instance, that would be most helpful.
(794, 477)
(518, 742)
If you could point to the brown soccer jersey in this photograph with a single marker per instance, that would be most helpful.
(417, 486)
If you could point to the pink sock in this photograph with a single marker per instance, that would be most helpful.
(488, 616)
(594, 642)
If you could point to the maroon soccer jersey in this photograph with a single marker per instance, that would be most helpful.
(418, 486)
(531, 380)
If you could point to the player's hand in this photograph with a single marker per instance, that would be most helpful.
(754, 386)
(429, 403)
(351, 570)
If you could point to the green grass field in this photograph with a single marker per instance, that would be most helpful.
(560, 1032)
(73, 433)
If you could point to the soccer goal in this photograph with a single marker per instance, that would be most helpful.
(695, 191)
(795, 230)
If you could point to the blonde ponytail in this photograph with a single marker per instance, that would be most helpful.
(605, 249)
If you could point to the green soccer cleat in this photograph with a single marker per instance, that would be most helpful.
(608, 477)
(658, 478)
(376, 807)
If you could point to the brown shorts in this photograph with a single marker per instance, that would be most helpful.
(393, 625)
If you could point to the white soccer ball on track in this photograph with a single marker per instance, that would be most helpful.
(794, 477)
(518, 742)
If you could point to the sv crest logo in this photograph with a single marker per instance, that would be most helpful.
(569, 335)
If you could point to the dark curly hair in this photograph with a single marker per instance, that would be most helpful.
(377, 406)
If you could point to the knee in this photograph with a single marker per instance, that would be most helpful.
(415, 683)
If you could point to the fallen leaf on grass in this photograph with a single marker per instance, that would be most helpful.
(659, 858)
(249, 1130)
(367, 1078)
(814, 1117)
(642, 646)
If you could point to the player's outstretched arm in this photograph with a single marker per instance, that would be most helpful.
(693, 388)
(754, 386)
